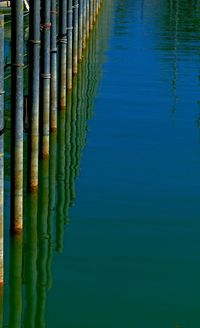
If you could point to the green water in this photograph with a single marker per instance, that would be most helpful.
(112, 239)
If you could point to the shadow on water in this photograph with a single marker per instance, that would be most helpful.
(47, 214)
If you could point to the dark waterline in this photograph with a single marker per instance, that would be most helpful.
(113, 238)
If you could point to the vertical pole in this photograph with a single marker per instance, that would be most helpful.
(1, 145)
(62, 53)
(17, 43)
(34, 78)
(80, 31)
(88, 19)
(53, 111)
(94, 11)
(91, 14)
(69, 44)
(45, 78)
(84, 23)
(75, 37)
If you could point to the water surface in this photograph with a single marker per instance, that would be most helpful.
(117, 217)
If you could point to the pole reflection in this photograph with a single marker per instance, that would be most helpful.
(48, 211)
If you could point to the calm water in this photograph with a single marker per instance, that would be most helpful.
(113, 239)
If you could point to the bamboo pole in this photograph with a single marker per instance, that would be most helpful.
(1, 147)
(84, 23)
(69, 43)
(45, 78)
(62, 53)
(34, 77)
(88, 19)
(17, 43)
(53, 62)
(80, 31)
(75, 36)
(94, 11)
(91, 14)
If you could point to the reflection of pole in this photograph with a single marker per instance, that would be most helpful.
(17, 39)
(73, 146)
(15, 282)
(62, 53)
(31, 262)
(34, 71)
(52, 199)
(61, 180)
(1, 308)
(77, 108)
(174, 80)
(84, 82)
(42, 220)
(67, 158)
(53, 112)
(45, 78)
(1, 145)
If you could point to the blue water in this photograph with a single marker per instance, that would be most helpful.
(129, 255)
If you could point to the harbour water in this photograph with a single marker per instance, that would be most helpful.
(112, 240)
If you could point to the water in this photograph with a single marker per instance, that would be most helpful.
(113, 238)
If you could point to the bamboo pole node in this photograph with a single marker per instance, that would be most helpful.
(62, 40)
(54, 50)
(46, 76)
(17, 64)
(45, 26)
(35, 41)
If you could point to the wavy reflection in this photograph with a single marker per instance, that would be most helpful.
(60, 182)
(31, 262)
(48, 212)
(43, 243)
(15, 282)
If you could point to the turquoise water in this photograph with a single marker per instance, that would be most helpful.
(113, 238)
